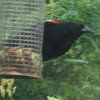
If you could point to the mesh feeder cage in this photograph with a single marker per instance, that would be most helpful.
(21, 35)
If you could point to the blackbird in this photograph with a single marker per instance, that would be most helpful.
(59, 37)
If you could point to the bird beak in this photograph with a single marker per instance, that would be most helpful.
(87, 29)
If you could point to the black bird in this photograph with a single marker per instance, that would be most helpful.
(58, 37)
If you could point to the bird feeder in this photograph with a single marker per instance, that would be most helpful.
(21, 34)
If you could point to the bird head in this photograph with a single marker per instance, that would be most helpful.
(78, 29)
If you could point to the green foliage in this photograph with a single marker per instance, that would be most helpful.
(31, 89)
(70, 90)
(87, 88)
(80, 66)
(51, 13)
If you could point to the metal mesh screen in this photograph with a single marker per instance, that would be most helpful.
(21, 33)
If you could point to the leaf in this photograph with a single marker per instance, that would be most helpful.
(76, 60)
(68, 91)
(77, 94)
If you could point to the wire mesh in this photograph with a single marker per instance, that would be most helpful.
(21, 33)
